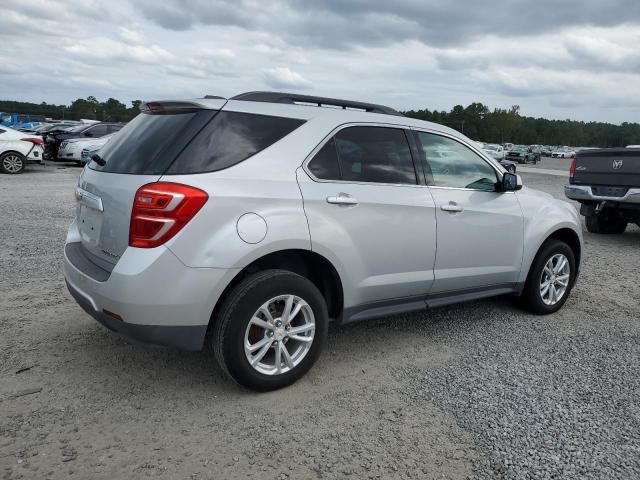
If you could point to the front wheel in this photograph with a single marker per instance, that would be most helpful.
(12, 163)
(550, 278)
(270, 329)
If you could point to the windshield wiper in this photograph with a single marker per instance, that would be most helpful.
(98, 159)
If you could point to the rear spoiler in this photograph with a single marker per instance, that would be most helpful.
(166, 106)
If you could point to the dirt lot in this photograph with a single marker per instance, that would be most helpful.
(480, 390)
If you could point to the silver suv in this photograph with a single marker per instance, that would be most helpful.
(247, 224)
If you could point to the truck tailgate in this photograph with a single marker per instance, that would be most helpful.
(619, 167)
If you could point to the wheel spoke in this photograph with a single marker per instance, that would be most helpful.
(260, 355)
(265, 311)
(279, 358)
(545, 290)
(294, 313)
(560, 265)
(288, 305)
(552, 296)
(300, 338)
(307, 327)
(260, 344)
(261, 323)
(285, 354)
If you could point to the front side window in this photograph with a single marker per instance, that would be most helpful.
(452, 164)
(366, 154)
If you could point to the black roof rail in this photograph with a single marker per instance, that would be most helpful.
(214, 97)
(293, 98)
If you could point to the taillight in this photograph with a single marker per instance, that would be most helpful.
(160, 210)
(572, 168)
(35, 141)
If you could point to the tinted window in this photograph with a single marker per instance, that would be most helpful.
(113, 128)
(454, 165)
(22, 119)
(325, 163)
(375, 154)
(97, 131)
(151, 141)
(230, 138)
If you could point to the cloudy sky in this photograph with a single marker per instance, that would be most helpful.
(575, 59)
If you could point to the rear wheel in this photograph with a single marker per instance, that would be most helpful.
(550, 278)
(606, 223)
(12, 162)
(270, 329)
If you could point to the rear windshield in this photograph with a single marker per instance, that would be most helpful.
(192, 142)
(150, 142)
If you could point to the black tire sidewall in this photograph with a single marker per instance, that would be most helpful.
(246, 304)
(2, 157)
(531, 293)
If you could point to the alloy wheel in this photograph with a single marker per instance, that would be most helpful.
(12, 163)
(554, 280)
(279, 335)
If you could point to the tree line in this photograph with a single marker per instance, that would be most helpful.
(476, 121)
(90, 108)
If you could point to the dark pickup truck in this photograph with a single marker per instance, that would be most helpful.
(607, 184)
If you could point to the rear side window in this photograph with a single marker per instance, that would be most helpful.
(150, 142)
(97, 131)
(367, 154)
(325, 163)
(230, 138)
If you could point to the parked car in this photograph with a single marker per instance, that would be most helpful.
(253, 221)
(17, 149)
(522, 154)
(606, 182)
(495, 151)
(70, 150)
(19, 121)
(563, 154)
(52, 140)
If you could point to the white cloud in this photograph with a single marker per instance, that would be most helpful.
(284, 77)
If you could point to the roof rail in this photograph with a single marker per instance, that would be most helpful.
(294, 98)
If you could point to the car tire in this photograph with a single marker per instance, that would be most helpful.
(605, 223)
(234, 330)
(534, 298)
(12, 163)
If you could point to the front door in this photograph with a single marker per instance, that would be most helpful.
(480, 230)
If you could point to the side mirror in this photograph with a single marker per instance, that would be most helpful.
(511, 182)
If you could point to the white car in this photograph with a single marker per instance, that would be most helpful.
(494, 151)
(563, 154)
(71, 150)
(17, 149)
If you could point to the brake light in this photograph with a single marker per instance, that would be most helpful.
(35, 141)
(160, 210)
(572, 168)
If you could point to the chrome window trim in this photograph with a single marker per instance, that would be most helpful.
(337, 129)
(496, 167)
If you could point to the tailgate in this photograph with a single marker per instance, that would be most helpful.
(613, 166)
(141, 152)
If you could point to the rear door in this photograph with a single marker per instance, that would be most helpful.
(369, 214)
(480, 230)
(138, 155)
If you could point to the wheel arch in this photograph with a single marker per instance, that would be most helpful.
(311, 265)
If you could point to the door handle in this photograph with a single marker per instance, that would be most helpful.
(451, 207)
(342, 199)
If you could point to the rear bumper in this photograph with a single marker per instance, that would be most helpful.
(584, 192)
(189, 337)
(159, 299)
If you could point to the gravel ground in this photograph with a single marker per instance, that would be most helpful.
(480, 390)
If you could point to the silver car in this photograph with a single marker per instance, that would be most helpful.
(248, 224)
